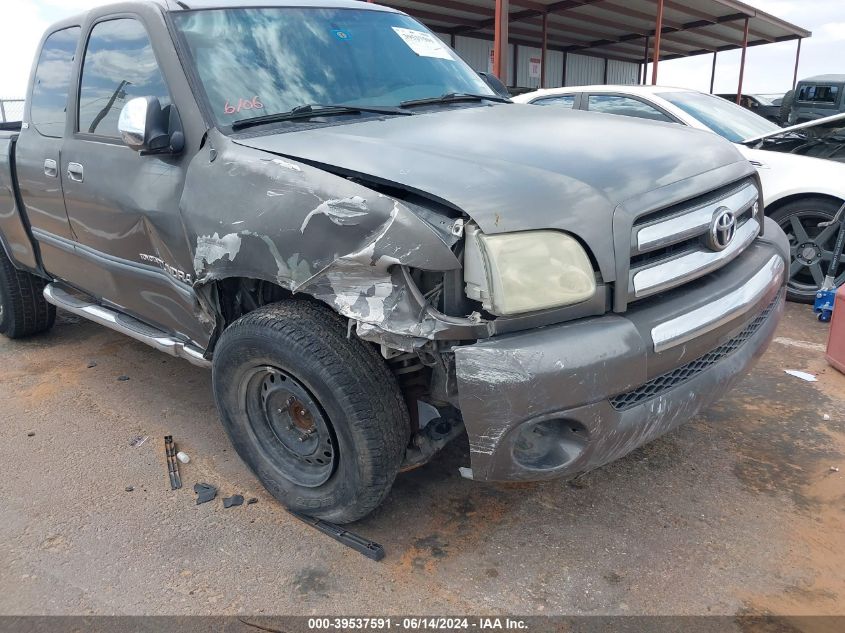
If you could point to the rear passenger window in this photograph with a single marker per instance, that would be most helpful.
(626, 106)
(567, 101)
(819, 94)
(119, 65)
(52, 80)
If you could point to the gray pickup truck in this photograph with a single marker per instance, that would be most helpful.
(373, 251)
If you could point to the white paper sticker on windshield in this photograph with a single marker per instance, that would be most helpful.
(423, 44)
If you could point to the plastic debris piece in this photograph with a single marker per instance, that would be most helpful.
(183, 457)
(234, 500)
(825, 417)
(834, 469)
(129, 488)
(136, 441)
(803, 375)
(92, 364)
(205, 492)
(251, 500)
(30, 434)
(122, 378)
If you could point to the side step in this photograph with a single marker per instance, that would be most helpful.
(124, 324)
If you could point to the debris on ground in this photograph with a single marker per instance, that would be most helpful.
(803, 375)
(825, 417)
(205, 492)
(122, 378)
(92, 364)
(183, 457)
(251, 500)
(370, 549)
(136, 441)
(234, 500)
(834, 469)
(30, 433)
(172, 464)
(129, 488)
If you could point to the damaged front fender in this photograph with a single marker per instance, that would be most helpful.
(249, 214)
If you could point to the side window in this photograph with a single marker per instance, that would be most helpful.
(819, 94)
(52, 81)
(626, 106)
(119, 65)
(567, 101)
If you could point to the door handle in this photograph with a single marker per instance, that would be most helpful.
(74, 172)
(50, 168)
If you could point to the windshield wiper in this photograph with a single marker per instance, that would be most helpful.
(313, 110)
(453, 97)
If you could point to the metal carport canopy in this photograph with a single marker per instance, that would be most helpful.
(613, 29)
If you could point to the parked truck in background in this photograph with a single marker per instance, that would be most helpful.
(372, 250)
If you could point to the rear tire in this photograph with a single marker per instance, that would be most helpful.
(23, 309)
(809, 245)
(317, 416)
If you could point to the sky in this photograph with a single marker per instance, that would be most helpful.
(768, 69)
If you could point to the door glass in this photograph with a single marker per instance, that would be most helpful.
(567, 101)
(119, 65)
(52, 80)
(626, 106)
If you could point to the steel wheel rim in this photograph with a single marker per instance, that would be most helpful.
(289, 426)
(810, 250)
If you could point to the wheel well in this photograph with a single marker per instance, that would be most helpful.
(237, 296)
(800, 196)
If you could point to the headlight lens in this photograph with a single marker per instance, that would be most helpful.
(533, 270)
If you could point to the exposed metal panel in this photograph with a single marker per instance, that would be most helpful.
(622, 72)
(582, 70)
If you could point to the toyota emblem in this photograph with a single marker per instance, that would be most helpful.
(722, 229)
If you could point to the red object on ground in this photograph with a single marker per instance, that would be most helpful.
(835, 354)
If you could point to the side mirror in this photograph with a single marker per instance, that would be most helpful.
(148, 128)
(495, 84)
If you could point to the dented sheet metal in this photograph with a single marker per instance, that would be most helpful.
(312, 232)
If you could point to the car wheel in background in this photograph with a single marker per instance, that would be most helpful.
(810, 245)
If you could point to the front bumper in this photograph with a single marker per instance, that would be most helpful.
(565, 399)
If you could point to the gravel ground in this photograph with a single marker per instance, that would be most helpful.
(738, 512)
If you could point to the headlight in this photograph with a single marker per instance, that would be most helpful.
(512, 273)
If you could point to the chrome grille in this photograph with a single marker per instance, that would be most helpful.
(670, 247)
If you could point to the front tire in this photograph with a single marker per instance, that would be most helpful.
(810, 246)
(317, 416)
(23, 309)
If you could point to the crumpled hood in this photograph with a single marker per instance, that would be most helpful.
(514, 167)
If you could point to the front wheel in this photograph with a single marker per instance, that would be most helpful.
(810, 246)
(317, 416)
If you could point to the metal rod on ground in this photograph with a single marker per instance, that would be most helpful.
(370, 549)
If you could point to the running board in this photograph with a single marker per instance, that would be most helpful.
(124, 324)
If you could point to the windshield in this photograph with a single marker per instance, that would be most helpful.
(256, 62)
(723, 117)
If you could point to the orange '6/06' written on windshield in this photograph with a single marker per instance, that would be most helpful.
(243, 104)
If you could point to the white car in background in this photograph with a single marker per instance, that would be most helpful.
(800, 192)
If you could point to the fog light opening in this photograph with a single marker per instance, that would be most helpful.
(549, 444)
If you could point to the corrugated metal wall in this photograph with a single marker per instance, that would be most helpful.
(581, 70)
(622, 72)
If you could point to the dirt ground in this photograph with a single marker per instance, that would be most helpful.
(741, 511)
